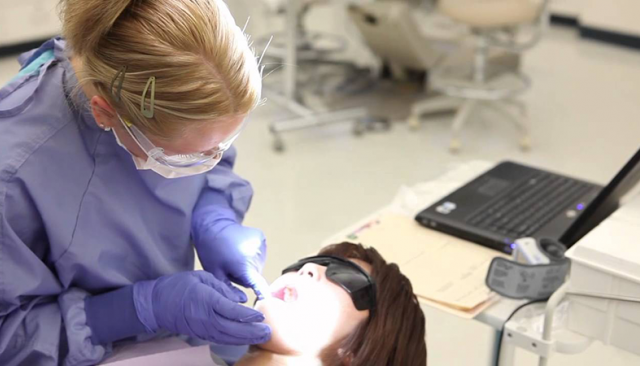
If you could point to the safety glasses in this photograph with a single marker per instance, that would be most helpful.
(179, 160)
(346, 274)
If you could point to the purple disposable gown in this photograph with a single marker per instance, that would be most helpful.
(77, 218)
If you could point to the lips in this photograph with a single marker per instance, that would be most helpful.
(287, 294)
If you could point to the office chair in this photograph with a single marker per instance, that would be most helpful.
(389, 32)
(494, 24)
(307, 41)
(410, 38)
(301, 46)
(403, 35)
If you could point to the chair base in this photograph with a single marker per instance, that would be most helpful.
(512, 109)
(306, 118)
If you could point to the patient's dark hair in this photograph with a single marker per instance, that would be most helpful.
(394, 335)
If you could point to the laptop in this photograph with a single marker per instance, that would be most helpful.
(513, 201)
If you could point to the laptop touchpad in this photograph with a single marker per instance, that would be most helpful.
(493, 186)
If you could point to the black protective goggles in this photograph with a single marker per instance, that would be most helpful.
(346, 274)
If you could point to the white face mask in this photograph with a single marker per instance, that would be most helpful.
(165, 171)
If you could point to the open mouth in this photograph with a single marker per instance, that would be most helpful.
(286, 294)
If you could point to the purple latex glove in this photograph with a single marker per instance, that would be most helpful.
(234, 253)
(197, 304)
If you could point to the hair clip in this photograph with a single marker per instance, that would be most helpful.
(149, 113)
(120, 77)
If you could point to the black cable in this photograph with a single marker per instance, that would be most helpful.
(505, 323)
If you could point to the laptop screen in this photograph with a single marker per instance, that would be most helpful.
(605, 203)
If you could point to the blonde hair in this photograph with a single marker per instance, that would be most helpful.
(204, 67)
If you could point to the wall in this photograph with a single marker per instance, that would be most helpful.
(622, 16)
(567, 8)
(27, 20)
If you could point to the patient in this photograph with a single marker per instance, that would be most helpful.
(345, 307)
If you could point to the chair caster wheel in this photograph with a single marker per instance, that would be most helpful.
(414, 122)
(454, 146)
(359, 128)
(278, 145)
(525, 143)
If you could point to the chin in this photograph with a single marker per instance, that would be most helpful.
(274, 314)
(291, 333)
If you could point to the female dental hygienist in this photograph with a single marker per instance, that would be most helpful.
(115, 156)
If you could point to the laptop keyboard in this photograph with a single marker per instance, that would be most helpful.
(528, 206)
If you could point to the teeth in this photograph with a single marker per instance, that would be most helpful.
(288, 295)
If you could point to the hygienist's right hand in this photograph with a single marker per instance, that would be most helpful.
(198, 305)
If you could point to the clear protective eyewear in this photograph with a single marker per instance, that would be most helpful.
(178, 160)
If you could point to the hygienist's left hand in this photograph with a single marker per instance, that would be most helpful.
(236, 254)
